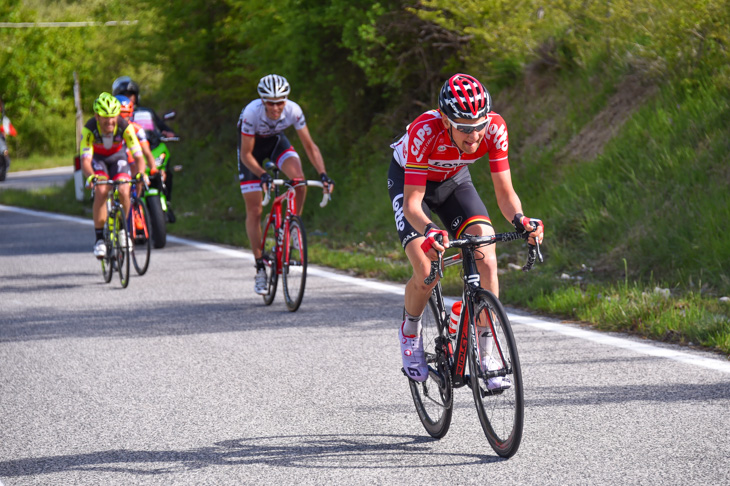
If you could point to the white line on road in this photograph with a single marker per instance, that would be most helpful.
(567, 330)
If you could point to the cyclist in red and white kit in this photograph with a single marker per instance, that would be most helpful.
(261, 126)
(429, 172)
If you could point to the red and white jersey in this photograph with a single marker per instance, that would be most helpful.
(426, 151)
(254, 122)
(141, 134)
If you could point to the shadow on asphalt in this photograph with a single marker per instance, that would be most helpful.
(332, 451)
(184, 317)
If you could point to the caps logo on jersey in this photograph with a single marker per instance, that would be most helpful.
(420, 140)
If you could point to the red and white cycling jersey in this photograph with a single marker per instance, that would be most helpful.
(426, 151)
(254, 122)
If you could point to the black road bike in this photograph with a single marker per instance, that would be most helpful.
(484, 340)
(117, 249)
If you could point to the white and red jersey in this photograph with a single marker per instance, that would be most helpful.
(254, 122)
(427, 153)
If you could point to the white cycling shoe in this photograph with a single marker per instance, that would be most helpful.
(497, 383)
(414, 359)
(100, 249)
(261, 282)
(123, 240)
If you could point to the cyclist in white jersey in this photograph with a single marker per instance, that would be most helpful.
(261, 126)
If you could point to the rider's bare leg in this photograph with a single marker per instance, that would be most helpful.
(253, 220)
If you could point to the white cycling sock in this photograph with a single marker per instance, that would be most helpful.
(412, 325)
(486, 342)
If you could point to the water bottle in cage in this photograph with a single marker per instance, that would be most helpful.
(454, 319)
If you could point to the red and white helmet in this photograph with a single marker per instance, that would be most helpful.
(463, 96)
(273, 86)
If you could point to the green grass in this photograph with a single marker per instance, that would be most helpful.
(40, 162)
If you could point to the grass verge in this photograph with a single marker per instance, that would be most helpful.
(40, 162)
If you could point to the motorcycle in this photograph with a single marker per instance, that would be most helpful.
(156, 197)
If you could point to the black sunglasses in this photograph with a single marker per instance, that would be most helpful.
(467, 127)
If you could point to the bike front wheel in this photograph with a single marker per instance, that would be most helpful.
(139, 228)
(294, 270)
(268, 256)
(496, 376)
(107, 262)
(121, 248)
(434, 397)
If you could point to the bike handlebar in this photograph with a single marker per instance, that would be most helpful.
(170, 139)
(111, 182)
(533, 251)
(326, 197)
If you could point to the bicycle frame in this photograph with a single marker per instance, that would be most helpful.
(279, 222)
(458, 357)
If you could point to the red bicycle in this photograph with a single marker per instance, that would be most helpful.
(284, 241)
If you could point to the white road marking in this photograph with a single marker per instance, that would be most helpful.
(567, 330)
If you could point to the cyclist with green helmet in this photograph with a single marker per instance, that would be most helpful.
(104, 143)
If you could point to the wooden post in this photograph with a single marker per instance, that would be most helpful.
(78, 174)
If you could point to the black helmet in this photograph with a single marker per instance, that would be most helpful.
(124, 85)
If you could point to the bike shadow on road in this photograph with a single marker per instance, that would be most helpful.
(306, 452)
(180, 317)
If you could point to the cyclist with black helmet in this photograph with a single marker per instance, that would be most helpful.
(430, 172)
(104, 142)
(261, 126)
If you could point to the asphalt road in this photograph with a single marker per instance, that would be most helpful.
(37, 179)
(185, 377)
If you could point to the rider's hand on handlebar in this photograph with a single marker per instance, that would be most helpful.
(534, 226)
(329, 184)
(90, 181)
(266, 181)
(431, 245)
(142, 177)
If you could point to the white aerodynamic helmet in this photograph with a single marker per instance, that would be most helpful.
(273, 86)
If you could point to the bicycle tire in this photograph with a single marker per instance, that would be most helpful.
(107, 261)
(158, 221)
(434, 408)
(268, 255)
(500, 412)
(294, 270)
(142, 238)
(4, 166)
(122, 250)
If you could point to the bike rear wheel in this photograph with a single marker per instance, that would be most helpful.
(294, 271)
(434, 397)
(139, 228)
(268, 255)
(501, 410)
(121, 248)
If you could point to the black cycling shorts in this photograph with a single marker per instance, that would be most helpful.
(114, 166)
(276, 148)
(455, 201)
